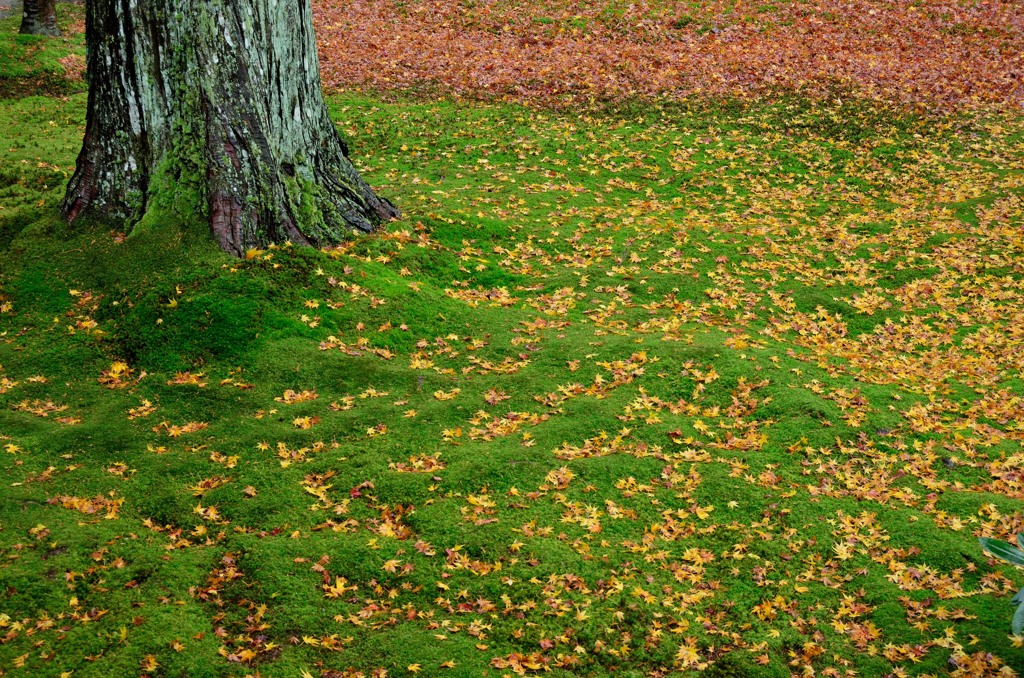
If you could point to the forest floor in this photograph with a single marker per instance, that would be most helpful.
(650, 386)
(9, 8)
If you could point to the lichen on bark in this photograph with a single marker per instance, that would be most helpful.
(215, 107)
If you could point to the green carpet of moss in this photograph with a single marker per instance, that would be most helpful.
(32, 64)
(633, 391)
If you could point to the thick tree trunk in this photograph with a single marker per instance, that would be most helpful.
(40, 18)
(215, 107)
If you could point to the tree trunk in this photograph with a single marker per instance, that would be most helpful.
(215, 108)
(39, 17)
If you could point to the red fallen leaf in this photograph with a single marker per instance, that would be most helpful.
(355, 491)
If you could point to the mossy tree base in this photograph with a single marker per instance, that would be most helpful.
(39, 17)
(216, 108)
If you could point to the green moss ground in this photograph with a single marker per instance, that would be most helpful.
(34, 64)
(793, 331)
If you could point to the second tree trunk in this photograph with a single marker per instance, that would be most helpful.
(40, 18)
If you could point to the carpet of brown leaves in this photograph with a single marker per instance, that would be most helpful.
(949, 54)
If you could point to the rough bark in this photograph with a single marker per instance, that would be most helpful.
(39, 17)
(216, 106)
